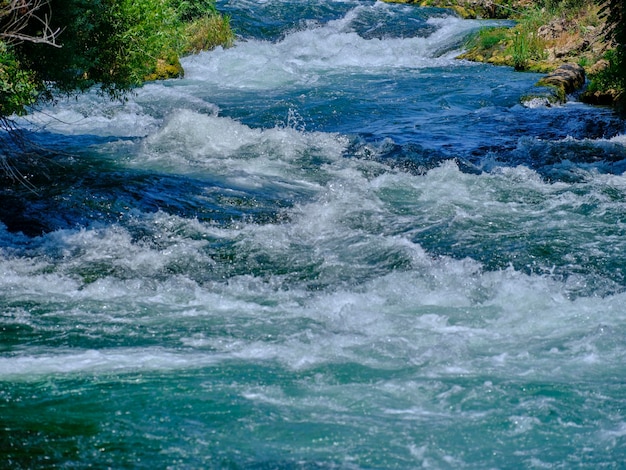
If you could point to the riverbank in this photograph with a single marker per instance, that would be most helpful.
(112, 46)
(202, 33)
(546, 35)
(471, 9)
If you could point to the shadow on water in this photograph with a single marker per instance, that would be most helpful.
(64, 190)
(558, 157)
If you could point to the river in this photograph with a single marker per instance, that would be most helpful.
(332, 245)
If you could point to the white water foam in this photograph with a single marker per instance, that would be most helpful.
(190, 142)
(302, 57)
(305, 56)
(93, 114)
(620, 139)
(94, 361)
(442, 315)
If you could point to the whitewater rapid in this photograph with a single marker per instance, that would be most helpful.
(331, 246)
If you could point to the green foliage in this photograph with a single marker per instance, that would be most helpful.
(561, 6)
(609, 78)
(17, 87)
(206, 33)
(520, 52)
(112, 44)
(203, 28)
(189, 10)
(526, 45)
(615, 13)
(489, 37)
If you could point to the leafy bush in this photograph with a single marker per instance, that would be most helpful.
(115, 44)
(18, 89)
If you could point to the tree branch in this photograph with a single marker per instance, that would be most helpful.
(17, 16)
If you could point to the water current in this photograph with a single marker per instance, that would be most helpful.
(333, 245)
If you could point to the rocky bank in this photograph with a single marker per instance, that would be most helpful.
(540, 41)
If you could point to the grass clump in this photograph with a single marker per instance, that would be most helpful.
(202, 27)
(546, 34)
(490, 37)
(487, 45)
(526, 46)
(206, 33)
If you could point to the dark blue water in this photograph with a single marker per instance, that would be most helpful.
(333, 245)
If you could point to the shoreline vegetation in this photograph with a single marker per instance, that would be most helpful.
(548, 34)
(52, 48)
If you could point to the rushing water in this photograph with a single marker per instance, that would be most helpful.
(331, 246)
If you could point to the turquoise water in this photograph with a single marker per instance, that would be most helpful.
(331, 246)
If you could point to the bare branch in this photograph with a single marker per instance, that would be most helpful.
(16, 16)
